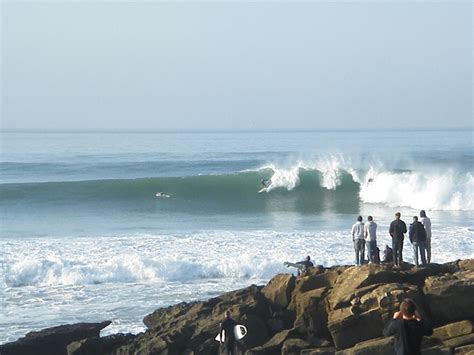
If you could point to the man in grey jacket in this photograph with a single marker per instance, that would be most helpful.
(358, 240)
(370, 234)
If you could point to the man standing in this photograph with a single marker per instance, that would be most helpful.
(427, 224)
(357, 233)
(408, 328)
(370, 234)
(418, 238)
(227, 327)
(397, 231)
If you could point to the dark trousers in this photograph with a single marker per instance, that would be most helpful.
(371, 245)
(397, 246)
(420, 246)
(229, 346)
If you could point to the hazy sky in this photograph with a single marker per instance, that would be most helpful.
(236, 65)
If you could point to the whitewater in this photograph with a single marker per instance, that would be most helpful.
(83, 237)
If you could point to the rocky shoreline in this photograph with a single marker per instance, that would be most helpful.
(336, 310)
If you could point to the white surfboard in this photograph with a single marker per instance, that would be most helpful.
(240, 331)
(263, 189)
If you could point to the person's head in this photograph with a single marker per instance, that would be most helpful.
(398, 215)
(415, 219)
(370, 219)
(408, 307)
(308, 258)
(422, 213)
(227, 314)
(359, 218)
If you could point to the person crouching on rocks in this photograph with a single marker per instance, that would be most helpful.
(408, 328)
(227, 329)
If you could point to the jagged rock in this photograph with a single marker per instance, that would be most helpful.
(294, 346)
(52, 341)
(459, 341)
(278, 290)
(449, 297)
(465, 349)
(366, 320)
(436, 351)
(275, 325)
(319, 351)
(311, 315)
(453, 330)
(272, 346)
(98, 346)
(257, 332)
(379, 346)
(466, 265)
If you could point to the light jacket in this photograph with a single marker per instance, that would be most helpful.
(357, 231)
(370, 231)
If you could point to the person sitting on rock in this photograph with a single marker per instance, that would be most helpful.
(227, 329)
(408, 328)
(387, 255)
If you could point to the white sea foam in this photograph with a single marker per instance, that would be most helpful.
(448, 190)
(50, 281)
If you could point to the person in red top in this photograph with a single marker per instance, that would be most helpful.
(408, 328)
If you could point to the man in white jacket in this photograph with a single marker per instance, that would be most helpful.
(370, 234)
(358, 240)
(427, 224)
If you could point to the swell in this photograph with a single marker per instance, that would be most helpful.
(298, 188)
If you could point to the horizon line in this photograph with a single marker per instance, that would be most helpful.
(217, 130)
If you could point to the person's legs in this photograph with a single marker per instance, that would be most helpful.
(415, 253)
(395, 251)
(400, 252)
(229, 347)
(428, 250)
(422, 252)
(356, 249)
(369, 251)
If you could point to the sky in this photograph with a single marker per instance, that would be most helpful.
(236, 65)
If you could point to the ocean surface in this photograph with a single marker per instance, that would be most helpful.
(84, 238)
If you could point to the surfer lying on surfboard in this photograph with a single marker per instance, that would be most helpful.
(163, 195)
(302, 266)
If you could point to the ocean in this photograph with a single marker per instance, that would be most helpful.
(83, 236)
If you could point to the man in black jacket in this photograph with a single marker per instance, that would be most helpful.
(397, 230)
(418, 240)
(227, 327)
(408, 328)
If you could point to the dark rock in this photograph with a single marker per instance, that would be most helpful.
(449, 297)
(459, 341)
(294, 346)
(379, 346)
(52, 341)
(275, 325)
(465, 349)
(99, 346)
(273, 346)
(319, 351)
(278, 290)
(453, 330)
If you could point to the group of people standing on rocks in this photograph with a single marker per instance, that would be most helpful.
(365, 234)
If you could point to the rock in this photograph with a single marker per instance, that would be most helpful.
(311, 315)
(459, 341)
(453, 330)
(449, 297)
(275, 325)
(319, 351)
(98, 346)
(379, 346)
(294, 346)
(357, 323)
(272, 346)
(278, 290)
(257, 332)
(436, 350)
(466, 349)
(52, 341)
(466, 265)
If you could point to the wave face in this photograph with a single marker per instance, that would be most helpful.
(301, 188)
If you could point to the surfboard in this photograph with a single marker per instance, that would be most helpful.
(263, 189)
(162, 195)
(240, 331)
(298, 266)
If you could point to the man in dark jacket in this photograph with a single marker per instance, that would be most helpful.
(418, 240)
(397, 231)
(408, 328)
(227, 327)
